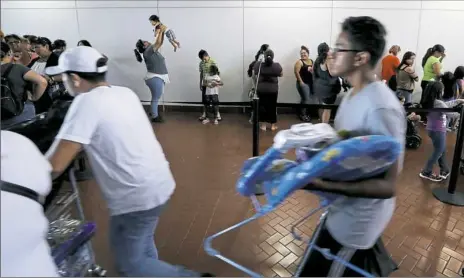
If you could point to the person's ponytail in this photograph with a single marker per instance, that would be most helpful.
(426, 56)
(268, 60)
(139, 48)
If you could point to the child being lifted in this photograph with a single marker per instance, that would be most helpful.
(155, 22)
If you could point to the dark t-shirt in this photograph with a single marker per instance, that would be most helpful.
(154, 61)
(268, 77)
(16, 78)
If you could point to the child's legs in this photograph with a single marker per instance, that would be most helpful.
(156, 86)
(215, 103)
(203, 99)
(439, 146)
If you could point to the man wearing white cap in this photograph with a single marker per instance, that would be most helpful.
(109, 123)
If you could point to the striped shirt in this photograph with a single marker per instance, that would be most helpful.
(204, 67)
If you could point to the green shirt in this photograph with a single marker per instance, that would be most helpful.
(204, 67)
(429, 74)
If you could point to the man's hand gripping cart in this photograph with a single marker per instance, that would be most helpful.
(321, 153)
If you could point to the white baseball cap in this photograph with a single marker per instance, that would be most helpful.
(78, 59)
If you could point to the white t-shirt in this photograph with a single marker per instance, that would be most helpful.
(126, 158)
(25, 251)
(211, 80)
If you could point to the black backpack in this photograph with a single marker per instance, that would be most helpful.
(12, 102)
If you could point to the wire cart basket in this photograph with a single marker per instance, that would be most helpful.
(69, 233)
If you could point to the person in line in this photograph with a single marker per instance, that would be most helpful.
(204, 67)
(46, 58)
(436, 128)
(213, 82)
(354, 225)
(17, 77)
(432, 64)
(84, 43)
(157, 72)
(406, 77)
(25, 250)
(459, 76)
(2, 36)
(31, 41)
(326, 85)
(304, 81)
(155, 22)
(450, 93)
(259, 57)
(20, 47)
(59, 46)
(390, 63)
(110, 124)
(268, 89)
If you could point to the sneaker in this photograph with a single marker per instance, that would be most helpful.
(263, 127)
(158, 119)
(216, 121)
(218, 117)
(430, 176)
(444, 174)
(202, 118)
(205, 121)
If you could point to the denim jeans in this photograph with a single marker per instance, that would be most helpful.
(133, 245)
(305, 94)
(156, 86)
(407, 95)
(438, 154)
(27, 114)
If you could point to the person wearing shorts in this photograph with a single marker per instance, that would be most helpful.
(355, 222)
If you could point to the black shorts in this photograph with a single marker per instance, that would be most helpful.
(375, 260)
(328, 100)
(211, 100)
(203, 94)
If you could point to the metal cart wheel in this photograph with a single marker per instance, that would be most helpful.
(413, 142)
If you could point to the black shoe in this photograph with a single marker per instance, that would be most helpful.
(206, 274)
(430, 176)
(158, 119)
(444, 174)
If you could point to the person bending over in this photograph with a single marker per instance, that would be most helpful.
(268, 89)
(204, 67)
(157, 72)
(155, 22)
(110, 124)
(25, 250)
(354, 224)
(213, 82)
(17, 77)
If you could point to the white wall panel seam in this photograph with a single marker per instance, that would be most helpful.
(77, 19)
(419, 29)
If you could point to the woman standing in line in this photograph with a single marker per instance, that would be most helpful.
(268, 88)
(157, 72)
(431, 63)
(406, 77)
(304, 80)
(326, 86)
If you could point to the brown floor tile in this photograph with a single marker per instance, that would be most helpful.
(425, 236)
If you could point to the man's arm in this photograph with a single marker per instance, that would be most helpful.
(61, 155)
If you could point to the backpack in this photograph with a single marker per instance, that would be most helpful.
(12, 103)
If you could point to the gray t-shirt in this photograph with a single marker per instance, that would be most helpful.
(375, 110)
(154, 61)
(16, 78)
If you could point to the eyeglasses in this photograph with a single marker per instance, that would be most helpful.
(336, 50)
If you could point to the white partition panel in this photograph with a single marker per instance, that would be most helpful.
(285, 30)
(216, 30)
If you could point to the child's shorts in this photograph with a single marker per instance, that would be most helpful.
(211, 100)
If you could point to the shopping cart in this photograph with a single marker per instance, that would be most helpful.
(69, 234)
(351, 159)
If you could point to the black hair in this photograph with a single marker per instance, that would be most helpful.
(32, 39)
(261, 50)
(5, 50)
(154, 18)
(202, 54)
(432, 92)
(268, 57)
(366, 34)
(84, 43)
(93, 77)
(59, 44)
(139, 48)
(406, 57)
(436, 48)
(449, 82)
(305, 49)
(44, 41)
(459, 73)
(213, 70)
(12, 36)
(322, 54)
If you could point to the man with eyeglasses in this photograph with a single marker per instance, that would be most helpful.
(355, 222)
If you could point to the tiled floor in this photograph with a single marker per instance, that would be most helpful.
(425, 237)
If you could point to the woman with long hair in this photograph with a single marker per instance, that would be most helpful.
(267, 89)
(431, 63)
(406, 77)
(250, 72)
(84, 43)
(304, 80)
(157, 72)
(326, 86)
(436, 128)
(459, 76)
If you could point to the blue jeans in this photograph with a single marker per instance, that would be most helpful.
(438, 154)
(27, 114)
(133, 245)
(305, 94)
(407, 95)
(156, 86)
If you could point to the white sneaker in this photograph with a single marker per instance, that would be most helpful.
(205, 121)
(216, 121)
